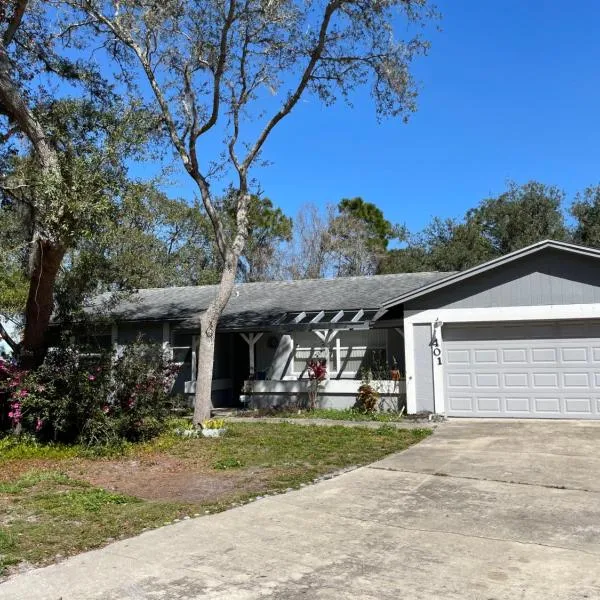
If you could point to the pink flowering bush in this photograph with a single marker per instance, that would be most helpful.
(11, 378)
(99, 401)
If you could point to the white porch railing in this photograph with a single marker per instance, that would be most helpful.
(333, 393)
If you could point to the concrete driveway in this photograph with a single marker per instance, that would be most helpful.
(482, 510)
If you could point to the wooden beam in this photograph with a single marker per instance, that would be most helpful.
(322, 335)
(399, 331)
(332, 333)
(299, 317)
(358, 316)
(337, 317)
(318, 317)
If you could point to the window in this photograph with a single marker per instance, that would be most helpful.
(182, 348)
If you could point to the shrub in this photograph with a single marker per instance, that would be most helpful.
(92, 399)
(366, 399)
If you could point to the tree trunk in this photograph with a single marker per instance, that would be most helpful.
(208, 330)
(45, 262)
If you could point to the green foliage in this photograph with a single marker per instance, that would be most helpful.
(175, 236)
(521, 216)
(380, 230)
(517, 218)
(73, 398)
(586, 210)
(345, 414)
(268, 227)
(13, 290)
(93, 142)
(213, 424)
(227, 463)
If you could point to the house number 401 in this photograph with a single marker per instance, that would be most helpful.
(436, 351)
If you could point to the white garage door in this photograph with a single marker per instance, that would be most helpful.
(535, 370)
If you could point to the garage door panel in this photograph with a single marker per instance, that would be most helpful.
(522, 371)
(459, 380)
(576, 380)
(516, 380)
(458, 357)
(485, 357)
(545, 380)
(547, 405)
(461, 404)
(489, 404)
(578, 405)
(574, 354)
(518, 405)
(543, 355)
(514, 356)
(487, 380)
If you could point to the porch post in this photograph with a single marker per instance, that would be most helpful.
(251, 339)
(166, 341)
(327, 336)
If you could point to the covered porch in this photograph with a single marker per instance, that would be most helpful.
(267, 366)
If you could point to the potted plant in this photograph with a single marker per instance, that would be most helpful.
(213, 428)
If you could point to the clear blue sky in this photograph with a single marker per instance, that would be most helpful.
(510, 90)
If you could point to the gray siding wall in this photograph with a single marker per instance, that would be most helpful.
(423, 367)
(150, 332)
(545, 278)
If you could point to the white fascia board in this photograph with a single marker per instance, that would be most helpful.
(507, 313)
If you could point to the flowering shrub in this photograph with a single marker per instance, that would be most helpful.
(73, 398)
(10, 404)
(317, 369)
(317, 372)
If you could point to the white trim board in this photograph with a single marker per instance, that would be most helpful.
(562, 312)
(506, 313)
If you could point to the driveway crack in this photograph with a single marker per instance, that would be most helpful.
(473, 478)
(471, 535)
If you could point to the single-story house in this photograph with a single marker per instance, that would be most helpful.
(518, 336)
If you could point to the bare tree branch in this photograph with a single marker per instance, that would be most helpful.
(292, 100)
(223, 49)
(4, 335)
(15, 22)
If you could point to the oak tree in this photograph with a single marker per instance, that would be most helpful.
(225, 73)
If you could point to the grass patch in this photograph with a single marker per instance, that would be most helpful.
(51, 511)
(346, 414)
(47, 514)
(296, 454)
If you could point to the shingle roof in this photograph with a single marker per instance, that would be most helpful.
(260, 304)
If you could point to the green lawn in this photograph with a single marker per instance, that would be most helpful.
(48, 510)
(348, 414)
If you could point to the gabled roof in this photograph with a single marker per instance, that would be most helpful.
(487, 266)
(263, 305)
